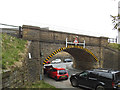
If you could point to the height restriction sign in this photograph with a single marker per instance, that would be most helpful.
(76, 40)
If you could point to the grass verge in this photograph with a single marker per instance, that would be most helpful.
(41, 84)
(114, 46)
(12, 50)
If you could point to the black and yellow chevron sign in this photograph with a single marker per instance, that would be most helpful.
(63, 48)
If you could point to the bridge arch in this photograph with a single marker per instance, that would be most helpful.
(84, 58)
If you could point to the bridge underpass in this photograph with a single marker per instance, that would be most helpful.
(83, 58)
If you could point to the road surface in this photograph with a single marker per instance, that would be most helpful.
(63, 84)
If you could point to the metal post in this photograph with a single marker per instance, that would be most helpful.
(75, 44)
(20, 32)
(66, 42)
(84, 44)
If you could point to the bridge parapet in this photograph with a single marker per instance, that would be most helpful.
(50, 36)
(31, 32)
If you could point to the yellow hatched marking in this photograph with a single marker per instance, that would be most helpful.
(72, 46)
(48, 57)
(91, 54)
(81, 47)
(61, 48)
(75, 46)
(64, 48)
(78, 46)
(55, 51)
(45, 61)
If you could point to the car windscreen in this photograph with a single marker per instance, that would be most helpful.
(60, 72)
(117, 76)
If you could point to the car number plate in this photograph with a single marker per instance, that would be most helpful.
(63, 76)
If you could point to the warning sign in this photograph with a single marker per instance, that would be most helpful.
(76, 40)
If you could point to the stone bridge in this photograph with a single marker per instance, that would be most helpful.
(46, 43)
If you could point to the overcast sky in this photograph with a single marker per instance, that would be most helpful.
(88, 17)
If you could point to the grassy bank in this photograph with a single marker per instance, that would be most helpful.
(114, 46)
(12, 50)
(43, 85)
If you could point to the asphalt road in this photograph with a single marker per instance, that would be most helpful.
(63, 84)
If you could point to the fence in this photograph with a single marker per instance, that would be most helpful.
(112, 40)
(11, 30)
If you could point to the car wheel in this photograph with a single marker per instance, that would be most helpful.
(48, 75)
(56, 78)
(66, 79)
(74, 82)
(100, 87)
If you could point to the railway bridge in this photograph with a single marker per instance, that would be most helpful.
(46, 43)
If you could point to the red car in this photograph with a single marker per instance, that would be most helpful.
(58, 73)
(47, 68)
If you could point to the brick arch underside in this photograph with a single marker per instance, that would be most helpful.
(83, 58)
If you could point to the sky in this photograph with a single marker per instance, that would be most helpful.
(87, 17)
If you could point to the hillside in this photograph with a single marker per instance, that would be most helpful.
(13, 50)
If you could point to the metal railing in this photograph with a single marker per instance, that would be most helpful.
(112, 40)
(11, 30)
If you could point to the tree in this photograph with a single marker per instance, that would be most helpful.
(116, 23)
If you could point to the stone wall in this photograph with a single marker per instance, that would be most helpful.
(34, 62)
(111, 58)
(18, 77)
(14, 79)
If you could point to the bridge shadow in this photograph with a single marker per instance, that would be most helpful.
(83, 58)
